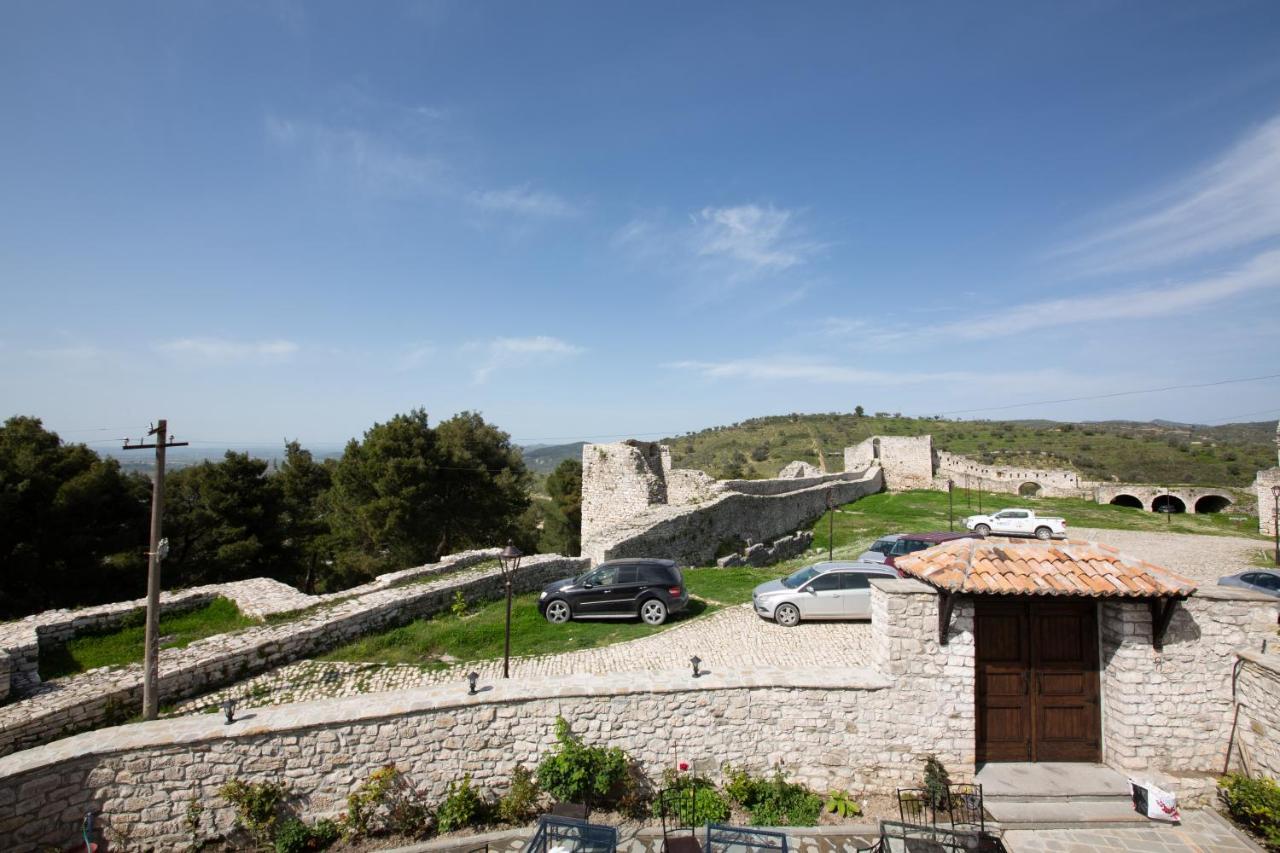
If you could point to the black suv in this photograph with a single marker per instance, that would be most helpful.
(618, 589)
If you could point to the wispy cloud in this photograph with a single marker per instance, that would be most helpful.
(820, 371)
(760, 239)
(1232, 203)
(369, 161)
(504, 353)
(523, 201)
(71, 352)
(416, 356)
(224, 351)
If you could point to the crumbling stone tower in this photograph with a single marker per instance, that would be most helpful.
(1262, 488)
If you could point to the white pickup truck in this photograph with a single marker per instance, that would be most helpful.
(1017, 522)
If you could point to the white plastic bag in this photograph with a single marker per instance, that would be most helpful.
(1155, 803)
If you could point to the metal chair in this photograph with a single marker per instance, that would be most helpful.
(676, 808)
(916, 806)
(576, 811)
(964, 801)
(740, 838)
(572, 836)
(901, 837)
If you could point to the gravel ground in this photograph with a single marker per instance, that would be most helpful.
(1201, 558)
(733, 637)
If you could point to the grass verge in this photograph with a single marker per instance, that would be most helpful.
(124, 645)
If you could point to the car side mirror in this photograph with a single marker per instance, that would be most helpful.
(587, 584)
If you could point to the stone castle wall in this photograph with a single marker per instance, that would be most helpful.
(836, 727)
(635, 504)
(1257, 731)
(1170, 710)
(971, 473)
(1262, 486)
(907, 460)
(94, 698)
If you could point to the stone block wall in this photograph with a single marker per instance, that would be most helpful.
(1262, 486)
(1170, 710)
(760, 554)
(971, 473)
(95, 697)
(620, 481)
(1257, 732)
(907, 460)
(692, 536)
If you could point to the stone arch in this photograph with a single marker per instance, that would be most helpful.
(1173, 503)
(1029, 490)
(1212, 503)
(1128, 500)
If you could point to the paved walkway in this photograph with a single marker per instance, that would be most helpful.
(1201, 558)
(1201, 831)
(733, 637)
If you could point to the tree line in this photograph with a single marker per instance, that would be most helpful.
(74, 525)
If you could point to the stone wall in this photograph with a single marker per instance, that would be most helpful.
(1262, 486)
(96, 697)
(907, 460)
(1257, 731)
(620, 481)
(836, 727)
(973, 474)
(1169, 711)
(692, 536)
(760, 554)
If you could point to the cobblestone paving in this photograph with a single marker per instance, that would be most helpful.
(1200, 832)
(1201, 558)
(733, 637)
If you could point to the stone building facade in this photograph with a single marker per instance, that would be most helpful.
(1255, 746)
(1262, 487)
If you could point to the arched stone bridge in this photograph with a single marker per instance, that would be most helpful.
(1194, 499)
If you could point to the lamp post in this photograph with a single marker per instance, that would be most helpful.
(1275, 519)
(951, 525)
(509, 560)
(831, 525)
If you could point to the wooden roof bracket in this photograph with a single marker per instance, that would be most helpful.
(1161, 614)
(946, 603)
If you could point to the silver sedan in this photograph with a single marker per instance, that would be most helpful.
(835, 590)
(1265, 581)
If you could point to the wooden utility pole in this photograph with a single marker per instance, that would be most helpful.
(151, 659)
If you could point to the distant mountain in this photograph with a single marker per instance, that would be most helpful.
(543, 458)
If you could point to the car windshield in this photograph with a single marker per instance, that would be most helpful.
(799, 577)
(882, 546)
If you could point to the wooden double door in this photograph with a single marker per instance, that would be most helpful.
(1037, 680)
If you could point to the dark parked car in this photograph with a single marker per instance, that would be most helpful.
(1266, 581)
(886, 548)
(619, 589)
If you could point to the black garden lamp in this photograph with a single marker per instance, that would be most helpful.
(509, 560)
(1275, 519)
(697, 662)
(229, 710)
(472, 678)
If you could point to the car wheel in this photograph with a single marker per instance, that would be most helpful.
(787, 615)
(983, 530)
(1043, 533)
(558, 612)
(653, 612)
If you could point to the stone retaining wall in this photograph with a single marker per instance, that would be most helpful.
(760, 554)
(99, 696)
(834, 727)
(1170, 711)
(1257, 731)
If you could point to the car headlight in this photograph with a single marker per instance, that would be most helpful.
(542, 595)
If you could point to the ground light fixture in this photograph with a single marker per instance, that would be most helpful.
(472, 678)
(229, 711)
(509, 560)
(697, 662)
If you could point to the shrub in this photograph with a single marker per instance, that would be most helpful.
(774, 801)
(1254, 804)
(462, 807)
(937, 782)
(698, 801)
(294, 836)
(459, 606)
(841, 804)
(385, 801)
(258, 806)
(578, 773)
(520, 802)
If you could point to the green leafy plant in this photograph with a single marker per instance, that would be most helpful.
(773, 801)
(258, 806)
(195, 812)
(578, 773)
(385, 801)
(294, 836)
(695, 800)
(459, 606)
(520, 802)
(937, 782)
(462, 807)
(842, 805)
(1254, 804)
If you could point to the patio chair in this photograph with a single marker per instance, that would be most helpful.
(676, 808)
(900, 837)
(917, 806)
(571, 836)
(577, 811)
(742, 839)
(964, 801)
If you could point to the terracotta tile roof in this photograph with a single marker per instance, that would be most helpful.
(1026, 567)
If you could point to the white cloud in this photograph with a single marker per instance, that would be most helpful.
(416, 356)
(223, 351)
(503, 353)
(799, 369)
(371, 162)
(760, 239)
(1231, 203)
(523, 201)
(70, 352)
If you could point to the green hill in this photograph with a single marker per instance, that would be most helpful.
(1127, 451)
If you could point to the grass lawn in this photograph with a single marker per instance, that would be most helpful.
(860, 523)
(125, 645)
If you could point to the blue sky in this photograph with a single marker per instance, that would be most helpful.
(269, 220)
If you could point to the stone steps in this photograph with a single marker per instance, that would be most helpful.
(1067, 814)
